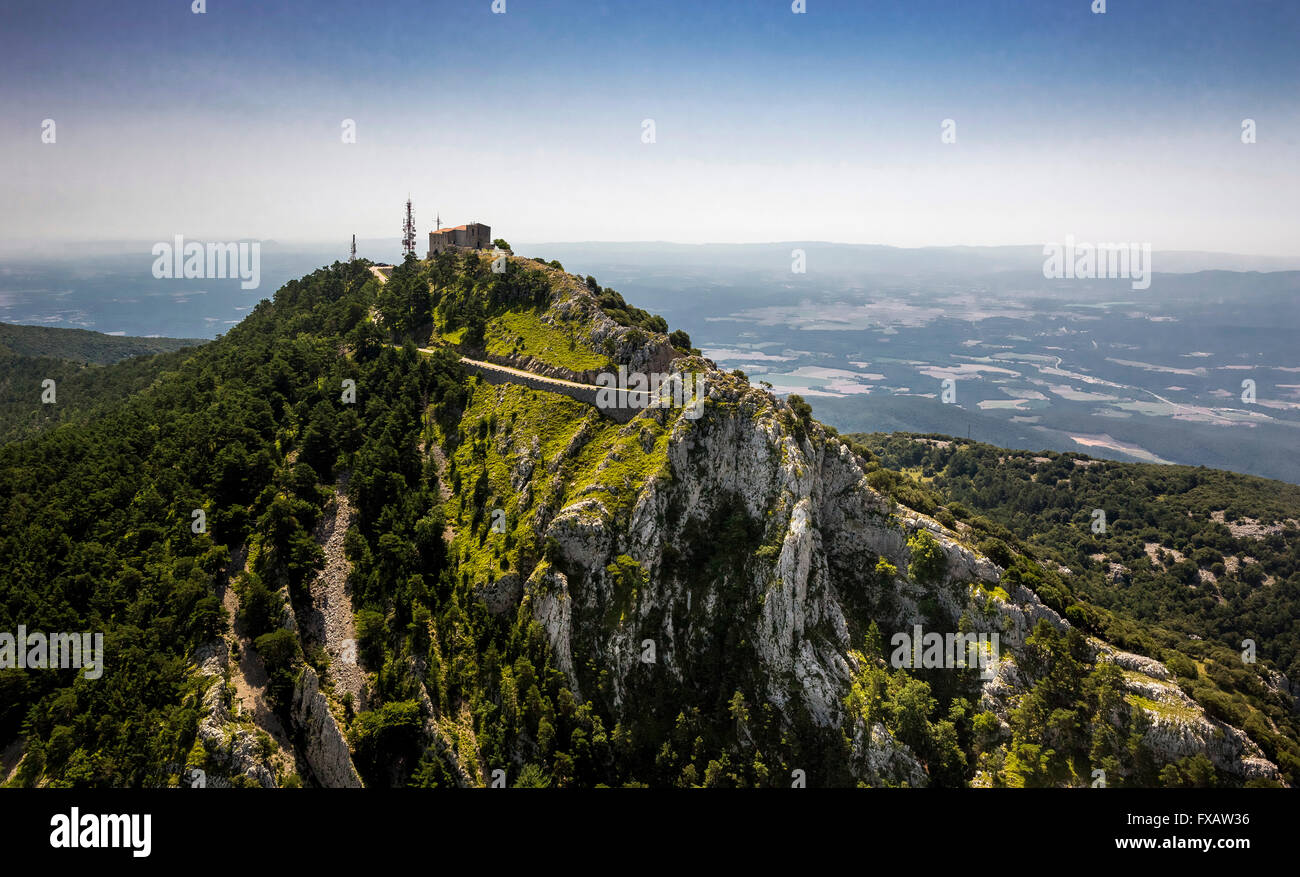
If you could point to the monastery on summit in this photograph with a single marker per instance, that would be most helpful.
(474, 235)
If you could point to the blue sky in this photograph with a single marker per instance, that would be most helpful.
(769, 125)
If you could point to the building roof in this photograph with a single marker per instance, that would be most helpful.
(456, 228)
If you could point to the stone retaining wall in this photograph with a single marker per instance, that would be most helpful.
(496, 375)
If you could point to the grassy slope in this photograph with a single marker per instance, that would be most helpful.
(611, 466)
(526, 333)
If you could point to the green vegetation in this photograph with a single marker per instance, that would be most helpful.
(1032, 512)
(1074, 719)
(904, 705)
(82, 346)
(927, 561)
(452, 482)
(802, 411)
(623, 313)
(527, 334)
(606, 462)
(81, 392)
(91, 372)
(457, 299)
(455, 291)
(97, 514)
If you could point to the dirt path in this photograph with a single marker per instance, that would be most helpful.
(330, 620)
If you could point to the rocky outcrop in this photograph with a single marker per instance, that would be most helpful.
(236, 720)
(548, 594)
(434, 730)
(810, 500)
(1282, 688)
(640, 350)
(233, 745)
(324, 745)
(763, 532)
(501, 594)
(749, 463)
(882, 760)
(1177, 726)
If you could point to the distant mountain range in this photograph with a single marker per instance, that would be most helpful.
(874, 258)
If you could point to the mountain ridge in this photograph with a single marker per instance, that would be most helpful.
(505, 586)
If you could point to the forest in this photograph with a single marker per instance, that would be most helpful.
(97, 507)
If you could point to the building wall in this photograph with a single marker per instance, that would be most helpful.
(475, 235)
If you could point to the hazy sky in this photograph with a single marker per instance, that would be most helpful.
(769, 125)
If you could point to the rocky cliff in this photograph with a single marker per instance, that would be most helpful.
(757, 545)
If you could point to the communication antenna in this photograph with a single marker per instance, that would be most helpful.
(408, 231)
(438, 220)
(353, 257)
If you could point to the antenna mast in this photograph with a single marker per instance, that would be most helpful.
(408, 231)
(353, 257)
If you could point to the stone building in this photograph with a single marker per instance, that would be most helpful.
(474, 235)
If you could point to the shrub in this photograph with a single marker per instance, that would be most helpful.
(1181, 665)
(801, 409)
(997, 551)
(928, 562)
(370, 636)
(278, 649)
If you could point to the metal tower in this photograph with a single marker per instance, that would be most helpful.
(408, 231)
(353, 257)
